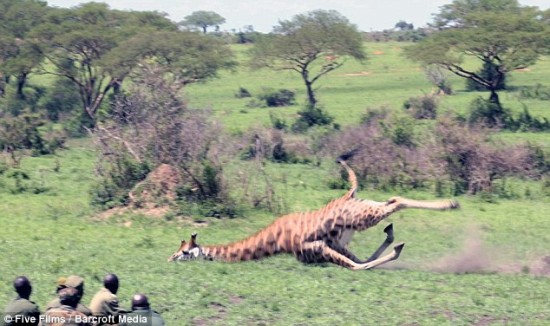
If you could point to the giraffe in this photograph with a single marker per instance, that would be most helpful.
(318, 236)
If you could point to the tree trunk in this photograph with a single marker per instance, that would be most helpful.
(310, 95)
(21, 82)
(312, 101)
(497, 112)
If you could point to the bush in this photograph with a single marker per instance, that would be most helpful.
(422, 107)
(455, 158)
(150, 127)
(526, 122)
(22, 133)
(311, 116)
(117, 179)
(273, 98)
(277, 122)
(488, 113)
(491, 115)
(379, 161)
(473, 162)
(538, 91)
(242, 93)
(61, 99)
(439, 78)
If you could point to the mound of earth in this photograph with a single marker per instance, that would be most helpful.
(158, 187)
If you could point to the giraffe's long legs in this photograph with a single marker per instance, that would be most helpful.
(389, 240)
(320, 251)
(345, 251)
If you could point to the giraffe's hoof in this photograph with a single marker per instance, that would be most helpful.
(397, 249)
(389, 232)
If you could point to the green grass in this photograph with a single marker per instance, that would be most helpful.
(56, 233)
(388, 79)
(52, 234)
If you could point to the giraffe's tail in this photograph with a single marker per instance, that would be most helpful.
(351, 175)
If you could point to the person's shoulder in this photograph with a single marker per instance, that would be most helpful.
(54, 303)
(108, 295)
(22, 305)
(157, 319)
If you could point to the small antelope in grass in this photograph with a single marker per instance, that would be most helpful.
(319, 236)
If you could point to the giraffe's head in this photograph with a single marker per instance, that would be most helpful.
(187, 250)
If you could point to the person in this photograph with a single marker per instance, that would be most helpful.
(75, 282)
(104, 304)
(66, 314)
(141, 313)
(21, 310)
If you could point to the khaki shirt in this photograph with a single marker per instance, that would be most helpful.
(23, 308)
(55, 303)
(64, 316)
(105, 303)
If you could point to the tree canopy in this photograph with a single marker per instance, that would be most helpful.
(96, 48)
(498, 33)
(311, 44)
(203, 19)
(17, 55)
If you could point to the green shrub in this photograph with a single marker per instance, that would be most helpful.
(242, 93)
(538, 91)
(277, 122)
(117, 179)
(488, 113)
(311, 116)
(276, 98)
(422, 107)
(61, 99)
(526, 122)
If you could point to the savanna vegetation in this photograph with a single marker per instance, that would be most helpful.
(123, 132)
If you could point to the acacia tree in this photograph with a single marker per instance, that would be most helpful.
(97, 48)
(497, 33)
(18, 57)
(311, 44)
(203, 19)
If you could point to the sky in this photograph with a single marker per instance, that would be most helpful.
(368, 15)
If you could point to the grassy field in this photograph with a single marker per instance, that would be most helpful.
(487, 263)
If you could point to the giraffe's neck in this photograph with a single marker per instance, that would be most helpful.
(260, 245)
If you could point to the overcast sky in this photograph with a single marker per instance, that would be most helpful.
(264, 14)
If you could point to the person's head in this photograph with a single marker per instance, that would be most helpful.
(75, 282)
(60, 284)
(69, 296)
(111, 283)
(140, 301)
(23, 287)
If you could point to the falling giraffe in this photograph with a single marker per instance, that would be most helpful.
(318, 236)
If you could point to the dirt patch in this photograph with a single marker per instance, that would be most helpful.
(356, 74)
(475, 256)
(220, 314)
(156, 212)
(489, 320)
(378, 52)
